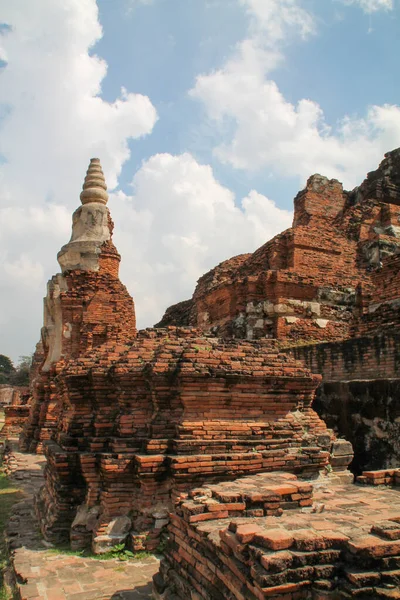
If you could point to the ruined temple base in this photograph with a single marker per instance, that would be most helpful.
(38, 572)
(265, 537)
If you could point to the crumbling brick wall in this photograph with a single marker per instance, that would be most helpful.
(359, 394)
(375, 357)
(311, 281)
(141, 422)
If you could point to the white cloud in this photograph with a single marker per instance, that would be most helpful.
(266, 130)
(371, 6)
(24, 272)
(270, 24)
(273, 20)
(179, 223)
(53, 120)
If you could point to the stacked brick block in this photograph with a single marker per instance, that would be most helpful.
(383, 477)
(140, 423)
(269, 537)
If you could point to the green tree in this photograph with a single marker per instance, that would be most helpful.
(7, 369)
(21, 373)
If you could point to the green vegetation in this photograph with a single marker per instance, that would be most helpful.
(162, 545)
(4, 595)
(118, 552)
(12, 375)
(121, 553)
(6, 368)
(9, 495)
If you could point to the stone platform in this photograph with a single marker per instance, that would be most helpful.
(272, 536)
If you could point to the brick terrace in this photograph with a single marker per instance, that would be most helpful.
(347, 545)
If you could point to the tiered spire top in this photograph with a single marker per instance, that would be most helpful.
(94, 187)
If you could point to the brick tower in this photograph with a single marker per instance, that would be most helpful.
(86, 304)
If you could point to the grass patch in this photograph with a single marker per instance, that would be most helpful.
(118, 552)
(9, 495)
(4, 595)
(66, 551)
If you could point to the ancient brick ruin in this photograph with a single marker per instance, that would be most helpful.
(141, 423)
(19, 399)
(86, 305)
(130, 421)
(328, 289)
(6, 394)
(16, 413)
(204, 428)
(312, 281)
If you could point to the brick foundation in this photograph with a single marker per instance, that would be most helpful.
(267, 536)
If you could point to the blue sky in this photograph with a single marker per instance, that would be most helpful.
(165, 45)
(159, 48)
(208, 117)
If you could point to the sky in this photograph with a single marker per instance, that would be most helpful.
(208, 116)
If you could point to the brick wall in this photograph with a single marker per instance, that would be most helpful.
(359, 358)
(359, 396)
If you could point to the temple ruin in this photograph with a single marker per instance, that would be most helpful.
(203, 429)
(328, 289)
(316, 280)
(128, 421)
